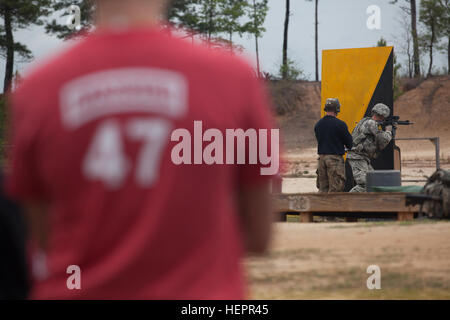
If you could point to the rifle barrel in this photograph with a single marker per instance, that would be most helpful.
(404, 123)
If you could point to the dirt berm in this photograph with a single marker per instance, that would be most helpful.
(426, 103)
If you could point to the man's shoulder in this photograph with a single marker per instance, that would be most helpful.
(341, 122)
(335, 121)
(206, 59)
(369, 122)
(57, 63)
(366, 121)
(41, 77)
(367, 126)
(320, 121)
(185, 57)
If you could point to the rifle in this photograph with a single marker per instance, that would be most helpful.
(394, 121)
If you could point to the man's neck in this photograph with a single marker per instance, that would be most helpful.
(128, 14)
(332, 114)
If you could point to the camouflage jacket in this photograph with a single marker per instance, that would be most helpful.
(368, 139)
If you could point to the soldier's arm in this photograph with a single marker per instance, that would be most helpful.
(383, 138)
(370, 127)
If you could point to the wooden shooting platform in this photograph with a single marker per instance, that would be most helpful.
(348, 205)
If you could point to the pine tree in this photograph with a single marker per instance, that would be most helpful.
(412, 11)
(18, 14)
(257, 13)
(209, 17)
(185, 13)
(444, 26)
(208, 23)
(182, 13)
(316, 35)
(431, 13)
(285, 66)
(231, 12)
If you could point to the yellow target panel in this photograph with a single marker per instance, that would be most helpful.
(359, 78)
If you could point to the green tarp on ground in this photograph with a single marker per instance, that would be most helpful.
(406, 189)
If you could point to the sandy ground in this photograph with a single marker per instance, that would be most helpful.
(330, 260)
(301, 168)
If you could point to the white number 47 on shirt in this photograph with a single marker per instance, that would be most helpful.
(106, 160)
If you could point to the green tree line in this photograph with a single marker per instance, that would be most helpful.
(213, 18)
(429, 26)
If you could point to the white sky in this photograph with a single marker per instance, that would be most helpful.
(342, 24)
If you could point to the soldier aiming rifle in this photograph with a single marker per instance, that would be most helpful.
(370, 137)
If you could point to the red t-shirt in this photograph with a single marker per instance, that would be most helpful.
(91, 136)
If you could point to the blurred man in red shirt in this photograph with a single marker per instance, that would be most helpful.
(92, 158)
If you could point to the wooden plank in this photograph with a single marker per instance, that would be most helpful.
(343, 202)
(405, 216)
(306, 217)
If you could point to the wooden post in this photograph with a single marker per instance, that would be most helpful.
(306, 217)
(405, 216)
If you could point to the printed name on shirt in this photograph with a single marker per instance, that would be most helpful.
(123, 91)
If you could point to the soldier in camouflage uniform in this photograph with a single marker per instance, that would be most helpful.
(368, 141)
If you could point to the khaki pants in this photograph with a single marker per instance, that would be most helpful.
(331, 173)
